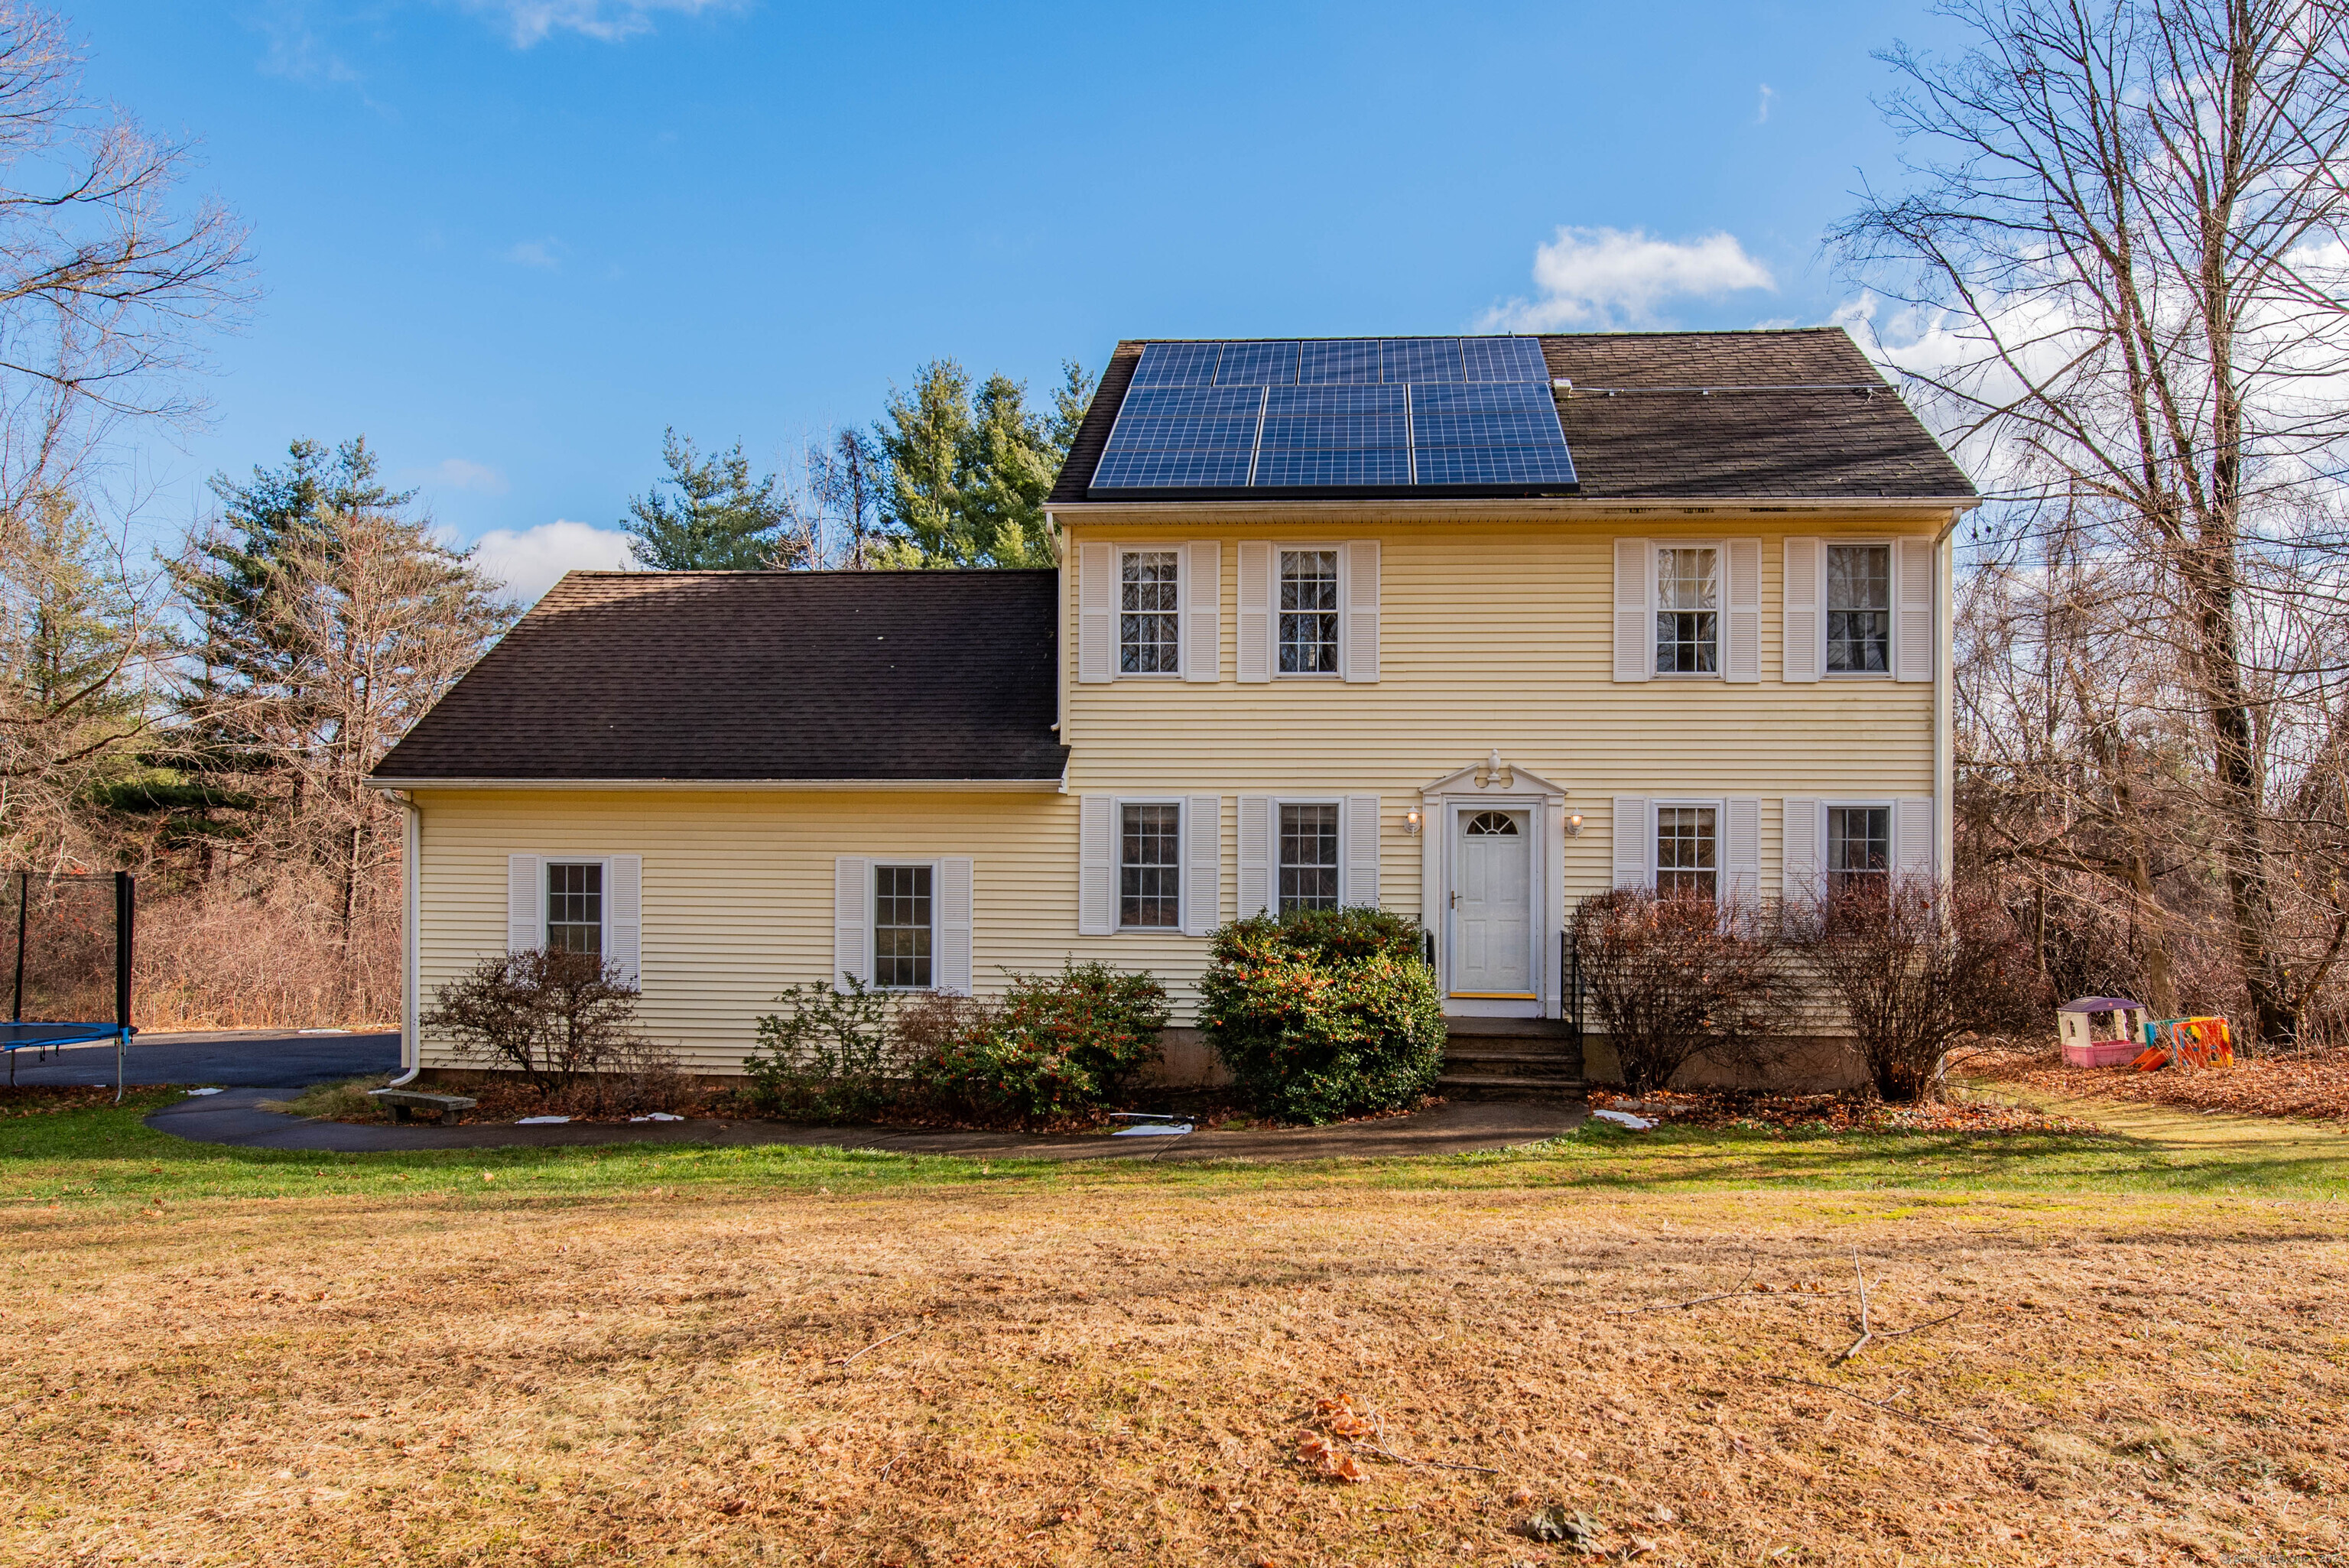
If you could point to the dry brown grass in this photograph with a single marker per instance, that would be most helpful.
(1118, 1374)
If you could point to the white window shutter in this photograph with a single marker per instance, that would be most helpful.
(1912, 621)
(1742, 655)
(1800, 832)
(624, 921)
(951, 973)
(1742, 846)
(1202, 609)
(1634, 835)
(1635, 618)
(851, 921)
(1361, 620)
(1361, 872)
(1096, 613)
(1203, 863)
(1096, 866)
(1803, 649)
(1252, 649)
(1913, 837)
(1254, 855)
(525, 927)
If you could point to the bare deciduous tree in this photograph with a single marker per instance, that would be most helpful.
(1675, 976)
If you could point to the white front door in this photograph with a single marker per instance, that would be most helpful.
(1492, 903)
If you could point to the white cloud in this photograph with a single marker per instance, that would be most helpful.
(1605, 277)
(545, 253)
(528, 22)
(528, 560)
(1769, 96)
(456, 473)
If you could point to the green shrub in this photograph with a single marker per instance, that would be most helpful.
(1054, 1047)
(829, 1056)
(1325, 1013)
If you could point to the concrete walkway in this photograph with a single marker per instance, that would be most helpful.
(234, 1117)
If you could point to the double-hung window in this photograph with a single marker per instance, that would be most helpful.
(1308, 612)
(1149, 627)
(903, 927)
(1688, 610)
(574, 906)
(1687, 850)
(1859, 608)
(1309, 856)
(1859, 848)
(1150, 868)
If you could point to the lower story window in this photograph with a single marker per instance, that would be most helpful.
(901, 927)
(1859, 847)
(1309, 857)
(575, 907)
(1684, 851)
(1150, 888)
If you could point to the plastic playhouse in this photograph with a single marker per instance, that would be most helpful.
(2101, 1031)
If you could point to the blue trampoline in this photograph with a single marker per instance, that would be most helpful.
(43, 1036)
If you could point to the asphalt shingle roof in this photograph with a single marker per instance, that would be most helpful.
(713, 677)
(1791, 415)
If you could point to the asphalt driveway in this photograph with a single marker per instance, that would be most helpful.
(256, 1058)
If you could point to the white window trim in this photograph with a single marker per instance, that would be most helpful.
(1658, 804)
(1345, 616)
(1720, 548)
(1117, 861)
(1272, 846)
(873, 866)
(1828, 543)
(1178, 550)
(546, 864)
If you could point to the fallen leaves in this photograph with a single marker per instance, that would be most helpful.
(1716, 1108)
(2315, 1084)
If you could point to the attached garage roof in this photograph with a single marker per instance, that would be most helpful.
(1794, 415)
(774, 677)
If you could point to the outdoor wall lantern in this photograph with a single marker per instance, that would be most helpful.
(1410, 824)
(1574, 824)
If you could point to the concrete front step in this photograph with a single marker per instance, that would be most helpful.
(1484, 1086)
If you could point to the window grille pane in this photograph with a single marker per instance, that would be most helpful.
(1688, 613)
(575, 908)
(1860, 847)
(901, 926)
(1859, 608)
(1684, 840)
(1150, 879)
(1146, 634)
(1308, 612)
(1309, 857)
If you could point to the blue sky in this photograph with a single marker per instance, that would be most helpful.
(510, 240)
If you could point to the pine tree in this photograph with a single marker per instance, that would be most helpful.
(720, 520)
(969, 467)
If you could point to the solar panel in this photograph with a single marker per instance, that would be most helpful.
(1258, 365)
(1339, 413)
(1419, 360)
(1174, 471)
(1333, 361)
(1503, 360)
(1293, 467)
(1177, 365)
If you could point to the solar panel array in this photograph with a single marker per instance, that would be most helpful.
(1371, 413)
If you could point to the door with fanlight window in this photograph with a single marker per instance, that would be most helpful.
(1491, 904)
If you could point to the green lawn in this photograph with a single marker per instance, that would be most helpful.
(105, 1156)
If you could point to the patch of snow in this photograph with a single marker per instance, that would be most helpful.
(193, 1092)
(322, 1031)
(1624, 1119)
(539, 1121)
(657, 1116)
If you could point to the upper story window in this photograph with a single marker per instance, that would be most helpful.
(1859, 608)
(1859, 847)
(903, 941)
(1148, 635)
(575, 907)
(1688, 611)
(1309, 857)
(1308, 612)
(1685, 844)
(1150, 878)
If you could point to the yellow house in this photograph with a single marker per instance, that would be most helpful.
(1469, 628)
